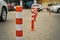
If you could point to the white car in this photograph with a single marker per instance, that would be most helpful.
(38, 6)
(3, 10)
(55, 8)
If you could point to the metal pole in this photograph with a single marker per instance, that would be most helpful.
(21, 4)
(35, 1)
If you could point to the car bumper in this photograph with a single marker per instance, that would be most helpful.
(10, 8)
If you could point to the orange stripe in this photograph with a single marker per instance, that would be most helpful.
(19, 33)
(32, 25)
(32, 12)
(18, 8)
(18, 20)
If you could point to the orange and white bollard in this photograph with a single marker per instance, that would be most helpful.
(34, 15)
(19, 31)
(32, 25)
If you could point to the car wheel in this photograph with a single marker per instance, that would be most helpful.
(3, 15)
(38, 10)
(58, 10)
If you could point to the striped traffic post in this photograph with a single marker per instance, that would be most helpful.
(19, 22)
(34, 15)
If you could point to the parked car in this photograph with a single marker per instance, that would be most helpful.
(10, 6)
(38, 6)
(29, 4)
(49, 5)
(55, 8)
(3, 10)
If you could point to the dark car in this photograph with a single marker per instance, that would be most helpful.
(29, 4)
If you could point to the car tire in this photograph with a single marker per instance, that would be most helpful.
(58, 11)
(38, 10)
(3, 15)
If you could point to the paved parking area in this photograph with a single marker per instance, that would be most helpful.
(47, 27)
(7, 29)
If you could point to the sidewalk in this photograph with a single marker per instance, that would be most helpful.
(45, 27)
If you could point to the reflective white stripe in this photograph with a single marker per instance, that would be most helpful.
(33, 14)
(19, 27)
(34, 9)
(32, 18)
(18, 14)
(19, 38)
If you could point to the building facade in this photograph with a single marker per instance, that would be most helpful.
(46, 2)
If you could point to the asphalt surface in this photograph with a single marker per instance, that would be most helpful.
(7, 29)
(47, 27)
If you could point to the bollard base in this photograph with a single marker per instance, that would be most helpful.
(32, 25)
(32, 30)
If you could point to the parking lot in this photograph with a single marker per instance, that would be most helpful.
(47, 27)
